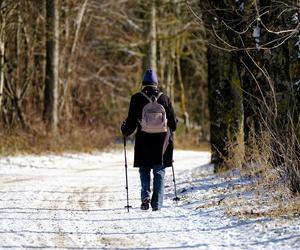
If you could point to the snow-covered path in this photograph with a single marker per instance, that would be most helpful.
(76, 201)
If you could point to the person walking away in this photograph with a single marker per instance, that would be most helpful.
(152, 116)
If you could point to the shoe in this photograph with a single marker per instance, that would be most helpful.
(145, 204)
(155, 209)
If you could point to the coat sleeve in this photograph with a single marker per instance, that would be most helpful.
(172, 121)
(131, 121)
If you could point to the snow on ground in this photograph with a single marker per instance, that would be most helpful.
(76, 201)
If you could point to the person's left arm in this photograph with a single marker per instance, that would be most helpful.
(171, 116)
(131, 122)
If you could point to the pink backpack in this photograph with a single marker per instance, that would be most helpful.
(154, 118)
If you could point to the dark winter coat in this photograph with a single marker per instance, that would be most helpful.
(148, 149)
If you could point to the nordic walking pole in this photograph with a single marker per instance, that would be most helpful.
(126, 174)
(176, 198)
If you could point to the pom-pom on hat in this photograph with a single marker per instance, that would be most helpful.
(150, 78)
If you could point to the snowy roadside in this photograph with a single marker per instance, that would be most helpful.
(76, 201)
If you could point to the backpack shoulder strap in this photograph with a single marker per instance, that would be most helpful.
(155, 97)
(159, 95)
(148, 98)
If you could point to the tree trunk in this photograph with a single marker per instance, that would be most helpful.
(52, 66)
(153, 40)
(226, 109)
(2, 63)
(182, 92)
(66, 101)
(150, 31)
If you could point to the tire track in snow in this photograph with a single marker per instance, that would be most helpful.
(77, 202)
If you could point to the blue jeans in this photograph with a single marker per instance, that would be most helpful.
(158, 185)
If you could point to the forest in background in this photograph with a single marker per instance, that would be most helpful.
(231, 68)
(70, 67)
(253, 81)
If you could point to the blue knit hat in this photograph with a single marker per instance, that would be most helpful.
(150, 77)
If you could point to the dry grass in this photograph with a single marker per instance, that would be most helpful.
(270, 197)
(270, 189)
(262, 203)
(77, 139)
(272, 162)
(190, 141)
(263, 207)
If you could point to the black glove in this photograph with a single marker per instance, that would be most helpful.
(124, 129)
